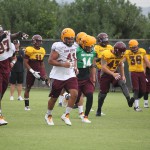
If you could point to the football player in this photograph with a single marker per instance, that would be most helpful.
(77, 44)
(7, 61)
(136, 57)
(63, 74)
(87, 75)
(100, 47)
(33, 61)
(110, 61)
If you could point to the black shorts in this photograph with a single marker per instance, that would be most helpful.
(16, 77)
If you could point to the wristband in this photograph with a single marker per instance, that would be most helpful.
(13, 62)
(31, 70)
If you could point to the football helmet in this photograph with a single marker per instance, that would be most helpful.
(133, 45)
(119, 49)
(37, 41)
(87, 42)
(93, 40)
(102, 39)
(79, 36)
(67, 36)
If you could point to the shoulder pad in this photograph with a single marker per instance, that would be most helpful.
(29, 50)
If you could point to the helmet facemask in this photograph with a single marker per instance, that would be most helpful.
(37, 41)
(102, 39)
(119, 49)
(69, 41)
(134, 49)
(88, 49)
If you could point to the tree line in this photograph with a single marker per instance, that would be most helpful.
(118, 18)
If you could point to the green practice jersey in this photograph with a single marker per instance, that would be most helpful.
(84, 61)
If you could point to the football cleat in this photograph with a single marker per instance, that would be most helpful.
(27, 108)
(86, 120)
(81, 115)
(11, 98)
(98, 114)
(146, 105)
(138, 109)
(20, 98)
(49, 119)
(2, 121)
(65, 118)
(130, 102)
(102, 114)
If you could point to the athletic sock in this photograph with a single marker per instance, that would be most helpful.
(80, 108)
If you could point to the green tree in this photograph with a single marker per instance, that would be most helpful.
(118, 18)
(30, 16)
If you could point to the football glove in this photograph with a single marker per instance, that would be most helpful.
(117, 77)
(35, 73)
(45, 81)
(24, 36)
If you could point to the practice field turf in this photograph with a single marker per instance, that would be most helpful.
(120, 129)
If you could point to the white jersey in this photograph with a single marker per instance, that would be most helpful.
(6, 48)
(76, 44)
(65, 54)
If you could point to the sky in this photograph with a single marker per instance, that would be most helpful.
(139, 3)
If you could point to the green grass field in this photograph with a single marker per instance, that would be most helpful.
(121, 129)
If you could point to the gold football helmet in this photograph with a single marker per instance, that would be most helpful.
(133, 45)
(67, 33)
(79, 36)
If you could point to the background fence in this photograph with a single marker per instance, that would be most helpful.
(47, 43)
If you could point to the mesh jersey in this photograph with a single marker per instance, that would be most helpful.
(65, 54)
(85, 60)
(35, 54)
(6, 48)
(99, 49)
(111, 59)
(135, 60)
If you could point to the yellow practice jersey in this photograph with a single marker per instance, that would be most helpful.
(135, 60)
(112, 61)
(35, 54)
(99, 50)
